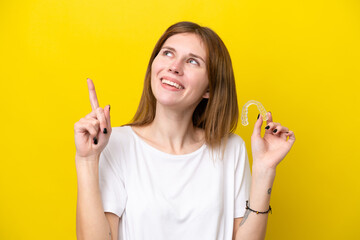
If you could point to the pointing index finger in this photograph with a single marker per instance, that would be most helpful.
(92, 94)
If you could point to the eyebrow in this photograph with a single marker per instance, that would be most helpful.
(191, 54)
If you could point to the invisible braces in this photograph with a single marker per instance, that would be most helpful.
(244, 112)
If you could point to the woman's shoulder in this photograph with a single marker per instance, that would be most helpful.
(120, 135)
(234, 143)
(121, 130)
(235, 139)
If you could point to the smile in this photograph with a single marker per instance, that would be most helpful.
(173, 84)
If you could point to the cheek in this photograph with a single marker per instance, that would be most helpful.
(154, 71)
(202, 79)
(156, 65)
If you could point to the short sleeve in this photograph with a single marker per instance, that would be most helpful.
(242, 181)
(111, 183)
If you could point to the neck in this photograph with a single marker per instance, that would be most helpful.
(173, 129)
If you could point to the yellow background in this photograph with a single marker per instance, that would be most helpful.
(299, 58)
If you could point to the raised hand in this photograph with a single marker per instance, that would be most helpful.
(92, 132)
(268, 151)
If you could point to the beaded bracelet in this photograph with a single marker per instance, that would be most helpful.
(257, 212)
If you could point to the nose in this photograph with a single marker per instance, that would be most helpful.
(176, 68)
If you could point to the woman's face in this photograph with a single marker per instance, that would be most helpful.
(178, 73)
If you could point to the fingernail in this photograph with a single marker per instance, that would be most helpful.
(267, 127)
(105, 131)
(95, 140)
(258, 116)
(275, 131)
(109, 107)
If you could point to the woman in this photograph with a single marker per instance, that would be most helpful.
(177, 171)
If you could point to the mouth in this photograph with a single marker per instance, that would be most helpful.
(171, 83)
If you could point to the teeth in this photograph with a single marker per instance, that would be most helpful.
(171, 83)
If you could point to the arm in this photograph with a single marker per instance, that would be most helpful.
(237, 222)
(90, 140)
(267, 153)
(252, 225)
(114, 224)
(91, 222)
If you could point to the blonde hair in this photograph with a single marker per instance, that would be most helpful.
(218, 115)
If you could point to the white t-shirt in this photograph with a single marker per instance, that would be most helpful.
(161, 196)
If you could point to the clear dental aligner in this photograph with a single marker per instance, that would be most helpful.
(244, 112)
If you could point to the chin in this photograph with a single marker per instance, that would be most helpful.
(167, 102)
(166, 98)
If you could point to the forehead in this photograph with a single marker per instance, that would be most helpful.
(187, 43)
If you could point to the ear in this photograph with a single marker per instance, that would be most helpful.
(206, 94)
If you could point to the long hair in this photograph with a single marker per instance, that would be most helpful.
(218, 115)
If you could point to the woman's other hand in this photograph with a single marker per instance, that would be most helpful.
(268, 151)
(92, 132)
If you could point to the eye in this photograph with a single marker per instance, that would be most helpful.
(167, 53)
(193, 61)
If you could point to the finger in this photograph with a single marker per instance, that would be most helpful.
(257, 126)
(270, 119)
(94, 135)
(280, 129)
(271, 126)
(92, 94)
(291, 136)
(91, 115)
(107, 116)
(89, 126)
(93, 122)
(101, 117)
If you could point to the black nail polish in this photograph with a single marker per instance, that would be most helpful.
(109, 107)
(105, 131)
(95, 140)
(267, 127)
(275, 131)
(258, 116)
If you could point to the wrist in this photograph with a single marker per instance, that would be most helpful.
(262, 179)
(87, 158)
(264, 172)
(89, 161)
